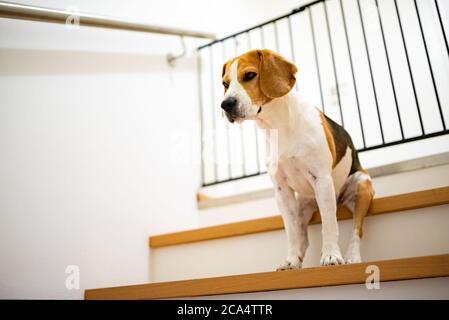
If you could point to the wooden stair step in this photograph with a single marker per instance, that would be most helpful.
(390, 204)
(390, 270)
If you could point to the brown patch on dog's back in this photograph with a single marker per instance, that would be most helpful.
(341, 140)
(329, 138)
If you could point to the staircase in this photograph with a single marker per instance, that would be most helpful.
(392, 270)
(406, 237)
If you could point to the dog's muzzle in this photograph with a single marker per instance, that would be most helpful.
(229, 105)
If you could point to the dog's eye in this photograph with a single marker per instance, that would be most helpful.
(249, 76)
(226, 85)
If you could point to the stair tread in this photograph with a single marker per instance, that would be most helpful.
(390, 270)
(383, 205)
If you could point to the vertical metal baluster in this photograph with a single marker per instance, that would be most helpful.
(389, 69)
(262, 38)
(292, 48)
(409, 67)
(200, 101)
(214, 125)
(228, 138)
(276, 36)
(430, 66)
(442, 26)
(371, 73)
(255, 126)
(352, 72)
(317, 66)
(242, 138)
(334, 67)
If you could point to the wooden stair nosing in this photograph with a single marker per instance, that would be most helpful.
(389, 204)
(390, 270)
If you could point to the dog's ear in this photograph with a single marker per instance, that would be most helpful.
(276, 74)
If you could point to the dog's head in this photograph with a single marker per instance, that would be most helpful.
(253, 79)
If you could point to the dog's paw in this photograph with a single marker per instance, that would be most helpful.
(353, 259)
(331, 258)
(290, 264)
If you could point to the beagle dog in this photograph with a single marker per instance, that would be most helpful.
(316, 165)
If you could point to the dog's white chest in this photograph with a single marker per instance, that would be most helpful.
(295, 172)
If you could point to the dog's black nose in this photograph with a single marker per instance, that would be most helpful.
(228, 104)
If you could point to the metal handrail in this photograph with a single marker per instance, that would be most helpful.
(34, 13)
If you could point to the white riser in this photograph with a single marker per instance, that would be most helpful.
(436, 288)
(414, 233)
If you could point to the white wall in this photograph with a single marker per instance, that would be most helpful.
(91, 125)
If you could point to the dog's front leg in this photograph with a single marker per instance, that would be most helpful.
(288, 205)
(327, 204)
